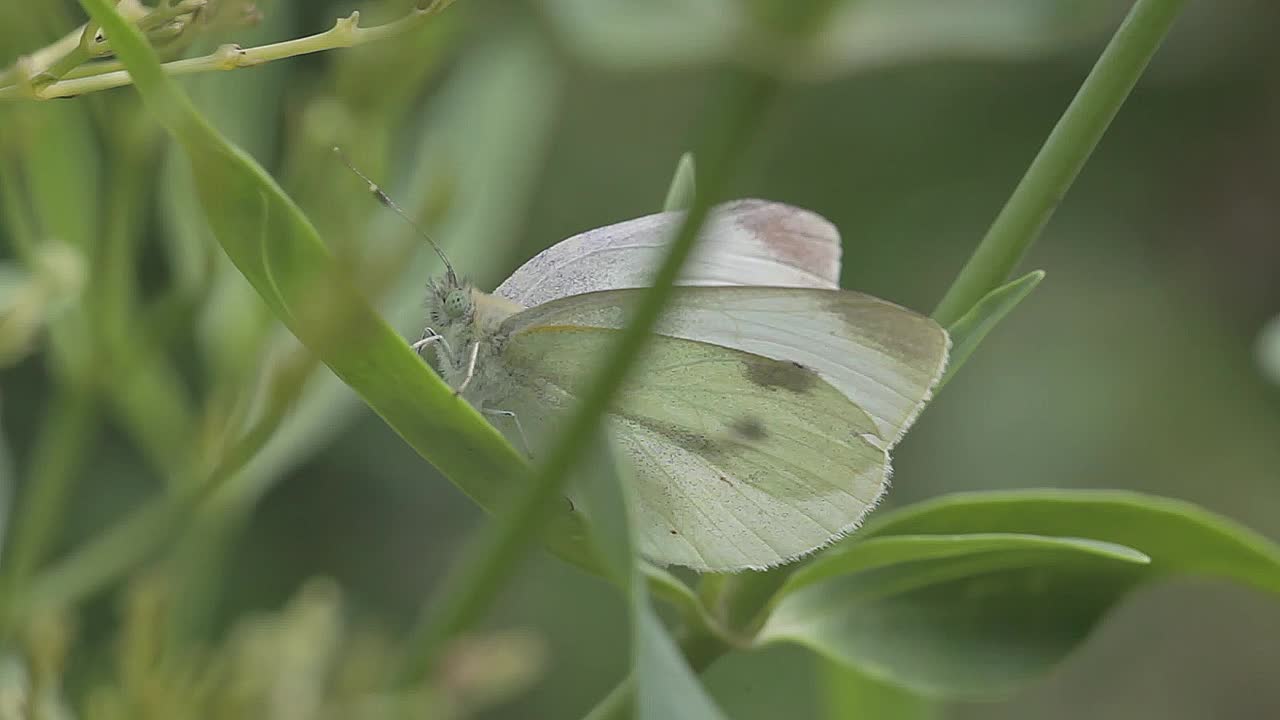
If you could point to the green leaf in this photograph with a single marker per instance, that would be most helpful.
(953, 615)
(683, 185)
(665, 687)
(276, 248)
(851, 694)
(1181, 538)
(917, 600)
(967, 332)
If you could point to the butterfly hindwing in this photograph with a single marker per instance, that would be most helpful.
(745, 242)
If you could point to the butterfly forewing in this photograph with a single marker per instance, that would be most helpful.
(884, 358)
(739, 461)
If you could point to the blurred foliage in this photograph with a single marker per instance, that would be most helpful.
(135, 356)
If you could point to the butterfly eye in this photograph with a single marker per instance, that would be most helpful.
(455, 304)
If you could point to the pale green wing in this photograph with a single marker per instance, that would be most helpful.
(740, 461)
(883, 357)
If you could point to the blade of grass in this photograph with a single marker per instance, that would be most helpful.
(470, 588)
(1063, 155)
(967, 332)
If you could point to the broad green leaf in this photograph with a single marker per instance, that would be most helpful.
(683, 185)
(1180, 537)
(665, 687)
(279, 252)
(956, 615)
(967, 332)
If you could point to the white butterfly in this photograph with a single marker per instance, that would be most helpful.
(760, 420)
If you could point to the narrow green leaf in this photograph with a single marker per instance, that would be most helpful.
(1180, 538)
(967, 332)
(683, 185)
(878, 552)
(665, 687)
(274, 245)
(1062, 156)
(956, 616)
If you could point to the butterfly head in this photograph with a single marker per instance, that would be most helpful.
(450, 301)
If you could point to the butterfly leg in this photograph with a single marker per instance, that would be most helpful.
(430, 336)
(471, 370)
(524, 439)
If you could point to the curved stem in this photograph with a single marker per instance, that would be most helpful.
(1063, 154)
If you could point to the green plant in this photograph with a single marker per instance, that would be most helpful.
(987, 589)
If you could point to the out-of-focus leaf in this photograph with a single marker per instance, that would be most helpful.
(865, 34)
(666, 688)
(6, 482)
(957, 615)
(858, 34)
(850, 694)
(279, 252)
(627, 34)
(63, 171)
(683, 185)
(967, 332)
(1269, 350)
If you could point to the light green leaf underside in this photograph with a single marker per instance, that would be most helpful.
(914, 599)
(738, 460)
(957, 615)
(884, 358)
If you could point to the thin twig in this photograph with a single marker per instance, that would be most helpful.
(346, 32)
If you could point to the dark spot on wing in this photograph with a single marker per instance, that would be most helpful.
(749, 428)
(673, 532)
(773, 374)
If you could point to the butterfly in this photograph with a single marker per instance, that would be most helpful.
(759, 421)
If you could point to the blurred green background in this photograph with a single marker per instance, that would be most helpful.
(508, 126)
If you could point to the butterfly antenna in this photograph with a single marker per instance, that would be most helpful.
(386, 201)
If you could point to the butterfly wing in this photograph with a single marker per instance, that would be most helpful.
(884, 358)
(745, 242)
(739, 461)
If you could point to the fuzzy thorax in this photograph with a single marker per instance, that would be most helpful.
(470, 323)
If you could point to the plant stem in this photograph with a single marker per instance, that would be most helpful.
(346, 32)
(1061, 157)
(65, 435)
(700, 650)
(471, 587)
(130, 541)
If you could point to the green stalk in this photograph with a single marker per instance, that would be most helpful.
(66, 432)
(469, 590)
(1063, 154)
